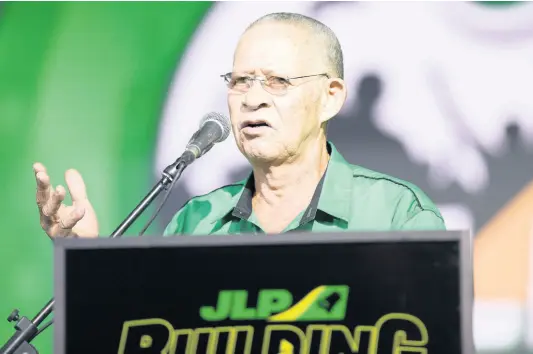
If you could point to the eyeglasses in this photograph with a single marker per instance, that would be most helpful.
(273, 84)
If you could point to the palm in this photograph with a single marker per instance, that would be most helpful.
(87, 225)
(59, 219)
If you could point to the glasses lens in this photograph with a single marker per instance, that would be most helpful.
(241, 83)
(237, 82)
(276, 85)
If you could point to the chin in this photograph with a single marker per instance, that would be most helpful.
(261, 150)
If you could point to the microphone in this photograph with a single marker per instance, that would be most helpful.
(214, 128)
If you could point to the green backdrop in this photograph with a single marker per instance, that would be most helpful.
(81, 85)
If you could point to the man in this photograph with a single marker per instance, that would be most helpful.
(286, 84)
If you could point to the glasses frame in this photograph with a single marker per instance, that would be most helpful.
(263, 80)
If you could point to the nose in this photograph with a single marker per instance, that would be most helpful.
(256, 97)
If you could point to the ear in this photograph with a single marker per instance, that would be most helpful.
(334, 99)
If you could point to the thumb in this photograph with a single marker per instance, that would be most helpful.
(69, 221)
(72, 218)
(76, 185)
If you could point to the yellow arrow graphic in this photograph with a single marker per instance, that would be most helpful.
(294, 312)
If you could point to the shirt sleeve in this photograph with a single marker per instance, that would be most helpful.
(415, 211)
(424, 220)
(177, 225)
(187, 219)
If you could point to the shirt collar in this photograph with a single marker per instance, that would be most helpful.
(336, 195)
(332, 195)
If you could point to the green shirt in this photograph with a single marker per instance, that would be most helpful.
(348, 198)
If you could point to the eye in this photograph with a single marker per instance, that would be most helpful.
(275, 81)
(239, 80)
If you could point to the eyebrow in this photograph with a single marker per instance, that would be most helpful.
(252, 71)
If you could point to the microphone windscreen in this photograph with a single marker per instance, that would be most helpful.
(221, 119)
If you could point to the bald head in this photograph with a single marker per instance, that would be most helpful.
(287, 73)
(325, 38)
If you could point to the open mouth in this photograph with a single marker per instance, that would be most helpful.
(255, 125)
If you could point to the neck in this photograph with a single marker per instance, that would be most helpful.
(294, 182)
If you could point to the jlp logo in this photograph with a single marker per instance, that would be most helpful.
(324, 303)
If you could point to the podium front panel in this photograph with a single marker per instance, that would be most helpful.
(293, 293)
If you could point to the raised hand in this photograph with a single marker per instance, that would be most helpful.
(58, 219)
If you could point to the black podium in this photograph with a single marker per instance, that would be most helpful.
(293, 293)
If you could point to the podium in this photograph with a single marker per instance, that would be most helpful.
(293, 293)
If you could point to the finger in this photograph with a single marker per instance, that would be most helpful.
(43, 187)
(54, 202)
(38, 167)
(76, 185)
(66, 224)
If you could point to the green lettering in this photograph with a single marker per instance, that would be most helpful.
(273, 301)
(240, 311)
(222, 310)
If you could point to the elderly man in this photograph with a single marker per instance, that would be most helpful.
(286, 84)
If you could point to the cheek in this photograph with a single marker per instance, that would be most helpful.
(297, 114)
(234, 103)
(234, 124)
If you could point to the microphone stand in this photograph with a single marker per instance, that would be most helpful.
(26, 330)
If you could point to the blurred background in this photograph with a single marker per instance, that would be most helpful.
(440, 94)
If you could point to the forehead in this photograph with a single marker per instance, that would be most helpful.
(281, 48)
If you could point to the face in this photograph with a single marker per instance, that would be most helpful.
(271, 127)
